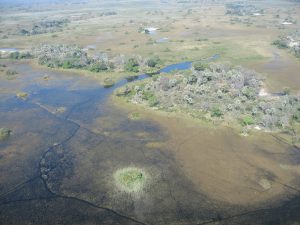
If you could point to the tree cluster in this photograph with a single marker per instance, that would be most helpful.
(72, 56)
(218, 91)
(242, 9)
(290, 41)
(47, 26)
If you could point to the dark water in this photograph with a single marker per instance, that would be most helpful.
(58, 166)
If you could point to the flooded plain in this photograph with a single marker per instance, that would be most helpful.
(280, 70)
(68, 141)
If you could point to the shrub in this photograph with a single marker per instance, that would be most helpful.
(280, 44)
(150, 98)
(296, 116)
(14, 55)
(132, 65)
(111, 65)
(11, 72)
(4, 133)
(247, 120)
(216, 112)
(108, 82)
(153, 61)
(67, 65)
(24, 32)
(199, 66)
(98, 67)
(286, 91)
(152, 101)
(296, 49)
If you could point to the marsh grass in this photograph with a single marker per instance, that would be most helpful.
(108, 82)
(134, 116)
(22, 95)
(60, 110)
(130, 179)
(4, 134)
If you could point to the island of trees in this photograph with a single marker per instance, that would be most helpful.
(219, 93)
(46, 26)
(291, 42)
(73, 57)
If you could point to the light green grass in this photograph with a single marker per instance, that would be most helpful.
(4, 133)
(130, 179)
(22, 95)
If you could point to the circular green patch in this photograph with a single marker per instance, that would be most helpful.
(4, 133)
(130, 179)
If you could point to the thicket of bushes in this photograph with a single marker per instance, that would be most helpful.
(291, 41)
(72, 56)
(218, 91)
(47, 26)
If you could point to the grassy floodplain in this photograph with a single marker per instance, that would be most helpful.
(72, 152)
(193, 33)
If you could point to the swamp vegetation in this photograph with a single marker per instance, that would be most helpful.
(219, 92)
(149, 112)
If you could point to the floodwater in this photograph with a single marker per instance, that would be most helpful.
(68, 140)
(163, 40)
(281, 70)
(8, 49)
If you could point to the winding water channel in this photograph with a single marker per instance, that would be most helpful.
(68, 140)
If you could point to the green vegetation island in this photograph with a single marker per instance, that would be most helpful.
(218, 92)
(68, 57)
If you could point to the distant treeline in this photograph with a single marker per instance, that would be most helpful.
(242, 9)
(47, 26)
